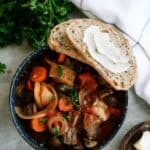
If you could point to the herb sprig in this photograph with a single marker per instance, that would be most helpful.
(43, 120)
(31, 20)
(59, 71)
(2, 68)
(72, 92)
(74, 97)
(56, 131)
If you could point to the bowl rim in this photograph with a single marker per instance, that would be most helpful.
(13, 115)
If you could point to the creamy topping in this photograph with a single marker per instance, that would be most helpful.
(104, 51)
(144, 142)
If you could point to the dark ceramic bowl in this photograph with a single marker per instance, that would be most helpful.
(134, 135)
(36, 140)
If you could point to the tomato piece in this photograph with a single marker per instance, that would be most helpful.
(87, 81)
(38, 74)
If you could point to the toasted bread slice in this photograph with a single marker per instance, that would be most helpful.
(59, 41)
(119, 81)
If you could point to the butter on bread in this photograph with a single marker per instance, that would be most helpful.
(119, 81)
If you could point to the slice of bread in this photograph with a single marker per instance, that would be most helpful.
(59, 41)
(119, 81)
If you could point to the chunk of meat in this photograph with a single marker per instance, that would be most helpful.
(91, 125)
(70, 137)
(93, 117)
(62, 73)
(86, 97)
(101, 110)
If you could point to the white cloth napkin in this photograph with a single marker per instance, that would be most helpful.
(132, 17)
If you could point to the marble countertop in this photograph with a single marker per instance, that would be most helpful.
(12, 56)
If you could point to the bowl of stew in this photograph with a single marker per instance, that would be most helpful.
(57, 102)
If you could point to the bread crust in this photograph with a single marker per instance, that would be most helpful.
(59, 41)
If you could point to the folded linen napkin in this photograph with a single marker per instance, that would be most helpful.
(133, 19)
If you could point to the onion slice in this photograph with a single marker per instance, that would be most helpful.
(51, 105)
(64, 126)
(83, 92)
(49, 96)
(39, 114)
(37, 90)
(45, 94)
(43, 113)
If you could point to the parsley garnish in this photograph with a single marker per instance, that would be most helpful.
(43, 120)
(73, 93)
(59, 71)
(19, 18)
(2, 68)
(56, 131)
(74, 97)
(63, 88)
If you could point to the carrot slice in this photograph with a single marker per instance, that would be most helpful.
(38, 125)
(61, 58)
(65, 104)
(38, 74)
(29, 85)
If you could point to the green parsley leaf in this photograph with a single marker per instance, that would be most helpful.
(43, 120)
(2, 68)
(63, 88)
(59, 71)
(74, 97)
(16, 21)
(56, 131)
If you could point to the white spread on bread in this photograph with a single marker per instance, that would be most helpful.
(104, 51)
(144, 142)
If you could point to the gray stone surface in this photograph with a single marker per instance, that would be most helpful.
(12, 56)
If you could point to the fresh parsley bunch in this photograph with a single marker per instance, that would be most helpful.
(31, 20)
